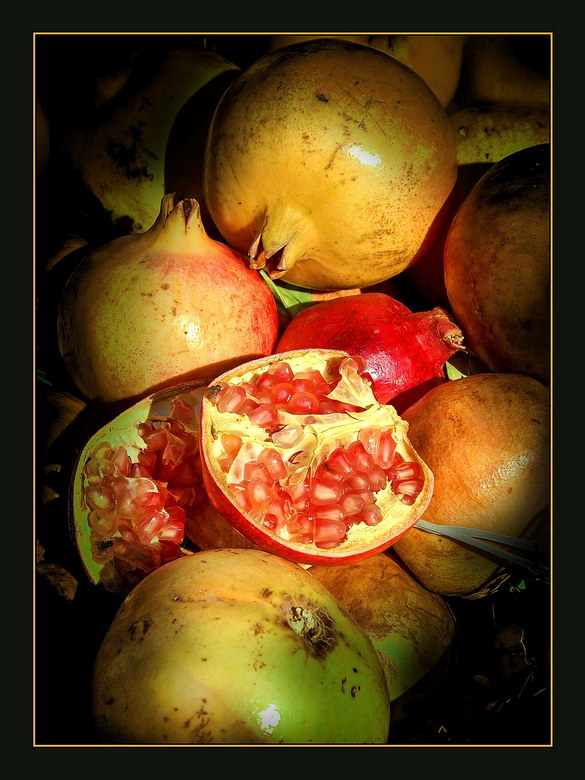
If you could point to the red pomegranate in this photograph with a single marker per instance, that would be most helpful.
(299, 457)
(404, 351)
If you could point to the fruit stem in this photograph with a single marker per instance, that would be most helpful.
(179, 228)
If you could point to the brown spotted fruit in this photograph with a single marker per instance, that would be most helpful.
(486, 439)
(303, 461)
(327, 162)
(411, 628)
(237, 647)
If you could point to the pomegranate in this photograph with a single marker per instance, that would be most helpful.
(497, 264)
(301, 459)
(404, 351)
(486, 439)
(162, 307)
(411, 628)
(327, 162)
(237, 647)
(136, 486)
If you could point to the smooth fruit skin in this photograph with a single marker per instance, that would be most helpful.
(497, 264)
(410, 627)
(330, 160)
(404, 351)
(488, 133)
(486, 439)
(154, 309)
(237, 647)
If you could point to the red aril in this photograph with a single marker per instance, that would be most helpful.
(403, 352)
(301, 483)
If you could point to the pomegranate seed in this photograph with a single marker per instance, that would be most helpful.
(231, 443)
(259, 493)
(387, 449)
(274, 464)
(264, 415)
(249, 388)
(407, 499)
(100, 498)
(281, 509)
(231, 400)
(328, 512)
(282, 371)
(102, 451)
(289, 436)
(103, 523)
(314, 376)
(101, 549)
(411, 487)
(122, 462)
(299, 493)
(241, 495)
(322, 492)
(325, 474)
(150, 526)
(128, 534)
(370, 440)
(182, 411)
(371, 514)
(100, 468)
(264, 397)
(359, 481)
(352, 504)
(406, 470)
(138, 470)
(281, 392)
(366, 495)
(303, 403)
(248, 406)
(255, 470)
(172, 531)
(265, 382)
(302, 385)
(359, 457)
(329, 532)
(377, 478)
(339, 462)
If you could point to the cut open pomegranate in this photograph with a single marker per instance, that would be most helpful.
(302, 460)
(136, 484)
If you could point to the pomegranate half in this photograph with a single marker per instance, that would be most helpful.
(297, 454)
(136, 486)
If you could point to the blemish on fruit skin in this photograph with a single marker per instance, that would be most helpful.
(354, 690)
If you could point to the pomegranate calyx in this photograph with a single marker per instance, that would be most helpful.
(179, 227)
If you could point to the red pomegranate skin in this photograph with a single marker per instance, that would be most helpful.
(405, 351)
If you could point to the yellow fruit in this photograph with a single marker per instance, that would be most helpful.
(328, 162)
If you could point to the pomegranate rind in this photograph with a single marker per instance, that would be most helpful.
(237, 647)
(362, 540)
(121, 431)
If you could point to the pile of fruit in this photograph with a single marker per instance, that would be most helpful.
(293, 369)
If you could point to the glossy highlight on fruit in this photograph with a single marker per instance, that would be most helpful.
(302, 460)
(237, 647)
(404, 351)
(327, 162)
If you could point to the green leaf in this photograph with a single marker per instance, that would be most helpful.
(453, 372)
(41, 377)
(290, 300)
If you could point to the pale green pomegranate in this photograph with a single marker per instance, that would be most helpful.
(237, 647)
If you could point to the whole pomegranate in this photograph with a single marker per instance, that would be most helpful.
(497, 264)
(327, 162)
(404, 351)
(237, 647)
(153, 309)
(486, 439)
(299, 457)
